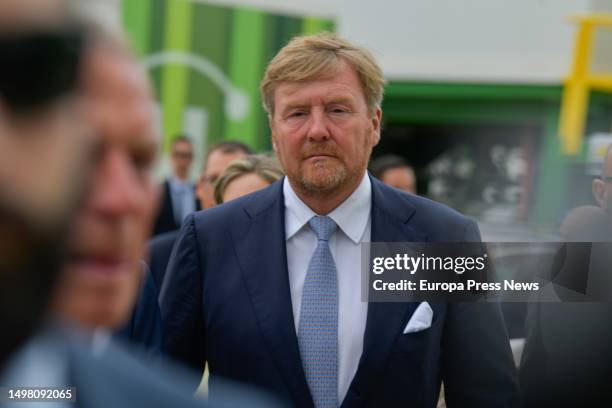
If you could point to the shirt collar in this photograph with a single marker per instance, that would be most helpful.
(178, 185)
(351, 216)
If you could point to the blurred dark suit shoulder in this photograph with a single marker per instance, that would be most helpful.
(105, 375)
(160, 248)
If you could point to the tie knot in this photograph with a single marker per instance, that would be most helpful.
(323, 227)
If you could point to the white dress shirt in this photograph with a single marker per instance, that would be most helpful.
(182, 195)
(353, 220)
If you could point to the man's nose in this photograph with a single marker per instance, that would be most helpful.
(317, 126)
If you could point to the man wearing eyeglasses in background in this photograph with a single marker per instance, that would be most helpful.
(178, 192)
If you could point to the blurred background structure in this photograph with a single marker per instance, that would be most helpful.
(473, 100)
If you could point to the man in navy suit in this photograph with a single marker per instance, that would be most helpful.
(266, 288)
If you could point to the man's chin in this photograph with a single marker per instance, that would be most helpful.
(322, 180)
(30, 261)
(319, 185)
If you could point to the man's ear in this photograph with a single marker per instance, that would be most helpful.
(599, 188)
(272, 132)
(376, 120)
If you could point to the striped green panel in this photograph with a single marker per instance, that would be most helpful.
(174, 85)
(136, 17)
(286, 29)
(156, 41)
(316, 25)
(210, 41)
(246, 68)
(237, 41)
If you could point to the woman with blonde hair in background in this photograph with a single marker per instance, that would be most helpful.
(246, 176)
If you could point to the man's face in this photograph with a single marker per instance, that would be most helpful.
(103, 274)
(40, 154)
(602, 188)
(216, 163)
(323, 133)
(402, 178)
(44, 152)
(182, 156)
(42, 169)
(41, 147)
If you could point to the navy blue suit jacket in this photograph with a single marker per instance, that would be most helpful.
(226, 300)
(160, 248)
(144, 327)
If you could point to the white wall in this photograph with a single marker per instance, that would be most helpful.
(514, 41)
(107, 12)
(523, 41)
(467, 40)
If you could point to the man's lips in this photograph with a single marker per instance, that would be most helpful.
(105, 265)
(320, 156)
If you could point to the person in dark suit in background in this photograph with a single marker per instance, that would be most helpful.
(218, 157)
(266, 288)
(567, 360)
(178, 197)
(394, 171)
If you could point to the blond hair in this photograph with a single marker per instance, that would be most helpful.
(268, 168)
(317, 57)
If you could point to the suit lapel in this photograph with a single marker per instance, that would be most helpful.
(391, 214)
(262, 255)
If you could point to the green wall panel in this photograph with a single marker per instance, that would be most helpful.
(223, 52)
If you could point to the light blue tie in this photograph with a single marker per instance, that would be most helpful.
(318, 331)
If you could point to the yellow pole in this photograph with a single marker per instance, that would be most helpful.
(578, 84)
(576, 93)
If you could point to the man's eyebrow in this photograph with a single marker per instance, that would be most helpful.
(341, 99)
(328, 100)
(294, 105)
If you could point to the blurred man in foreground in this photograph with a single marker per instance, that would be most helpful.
(45, 148)
(102, 273)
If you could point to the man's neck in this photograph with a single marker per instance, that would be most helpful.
(182, 178)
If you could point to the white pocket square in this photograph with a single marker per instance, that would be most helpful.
(420, 320)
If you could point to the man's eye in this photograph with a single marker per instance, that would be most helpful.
(142, 162)
(297, 114)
